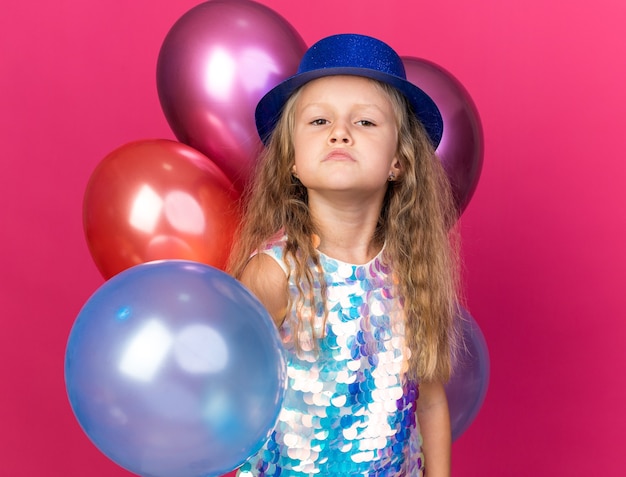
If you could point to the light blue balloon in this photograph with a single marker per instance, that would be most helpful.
(174, 369)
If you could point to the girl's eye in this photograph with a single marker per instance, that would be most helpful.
(319, 122)
(365, 122)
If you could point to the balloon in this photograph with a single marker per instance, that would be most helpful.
(174, 369)
(461, 148)
(215, 64)
(467, 388)
(158, 199)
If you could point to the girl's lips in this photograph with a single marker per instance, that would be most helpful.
(338, 155)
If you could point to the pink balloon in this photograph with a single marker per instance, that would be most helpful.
(215, 64)
(467, 388)
(461, 148)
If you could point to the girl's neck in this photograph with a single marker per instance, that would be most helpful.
(346, 231)
(357, 254)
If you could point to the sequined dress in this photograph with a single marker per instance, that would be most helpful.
(348, 409)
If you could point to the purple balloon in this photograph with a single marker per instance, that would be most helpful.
(461, 148)
(174, 369)
(215, 64)
(468, 385)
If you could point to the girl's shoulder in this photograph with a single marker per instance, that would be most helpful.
(265, 275)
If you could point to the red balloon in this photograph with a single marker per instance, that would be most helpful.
(215, 64)
(461, 148)
(155, 200)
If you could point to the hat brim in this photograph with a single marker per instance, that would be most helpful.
(270, 107)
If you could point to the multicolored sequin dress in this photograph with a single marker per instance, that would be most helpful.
(348, 410)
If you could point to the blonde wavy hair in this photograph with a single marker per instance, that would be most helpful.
(416, 224)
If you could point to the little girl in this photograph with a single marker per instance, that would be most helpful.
(346, 243)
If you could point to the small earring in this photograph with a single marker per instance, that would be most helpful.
(392, 177)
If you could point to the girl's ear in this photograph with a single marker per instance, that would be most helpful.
(396, 169)
(294, 172)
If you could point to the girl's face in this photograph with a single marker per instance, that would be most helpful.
(345, 135)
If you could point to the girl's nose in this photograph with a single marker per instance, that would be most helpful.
(340, 134)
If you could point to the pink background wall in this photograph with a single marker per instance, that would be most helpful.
(544, 235)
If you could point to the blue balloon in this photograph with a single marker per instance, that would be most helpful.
(468, 385)
(174, 369)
